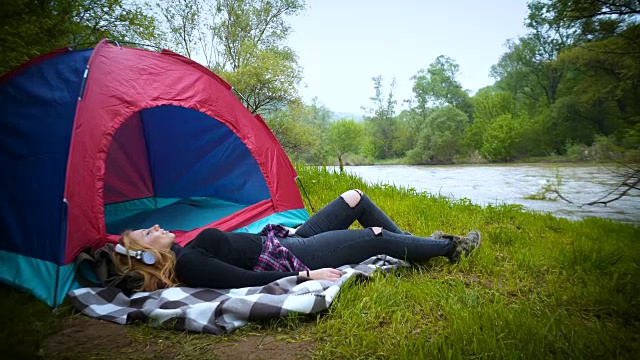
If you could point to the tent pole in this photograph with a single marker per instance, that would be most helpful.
(63, 247)
(305, 193)
(55, 289)
(253, 110)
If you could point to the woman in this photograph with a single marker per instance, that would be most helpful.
(217, 259)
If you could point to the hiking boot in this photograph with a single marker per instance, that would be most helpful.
(463, 245)
(441, 235)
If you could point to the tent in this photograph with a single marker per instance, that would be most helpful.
(96, 141)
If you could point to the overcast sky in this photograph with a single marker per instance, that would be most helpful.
(342, 44)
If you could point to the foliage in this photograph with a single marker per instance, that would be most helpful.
(441, 137)
(244, 41)
(344, 136)
(381, 122)
(503, 138)
(298, 138)
(31, 28)
(182, 19)
(488, 105)
(576, 74)
(407, 130)
(437, 86)
(249, 39)
(269, 81)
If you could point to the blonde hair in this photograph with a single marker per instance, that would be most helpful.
(160, 274)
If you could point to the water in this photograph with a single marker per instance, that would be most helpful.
(496, 184)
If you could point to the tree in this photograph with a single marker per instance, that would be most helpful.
(488, 105)
(31, 28)
(344, 136)
(244, 42)
(318, 117)
(380, 120)
(251, 32)
(298, 138)
(182, 17)
(408, 126)
(437, 86)
(603, 82)
(268, 82)
(441, 138)
(503, 138)
(592, 19)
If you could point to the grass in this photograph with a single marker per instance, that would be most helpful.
(538, 287)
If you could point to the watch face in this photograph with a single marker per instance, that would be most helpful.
(148, 258)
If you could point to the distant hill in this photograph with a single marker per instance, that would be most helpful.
(337, 115)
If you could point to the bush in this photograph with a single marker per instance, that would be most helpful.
(440, 140)
(503, 138)
(578, 152)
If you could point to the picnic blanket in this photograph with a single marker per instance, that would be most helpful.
(218, 311)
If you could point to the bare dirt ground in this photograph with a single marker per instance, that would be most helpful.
(81, 337)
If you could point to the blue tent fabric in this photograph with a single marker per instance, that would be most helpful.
(38, 109)
(182, 158)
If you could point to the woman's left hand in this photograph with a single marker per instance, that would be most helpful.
(325, 274)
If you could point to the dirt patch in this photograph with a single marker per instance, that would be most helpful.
(264, 347)
(86, 337)
(82, 337)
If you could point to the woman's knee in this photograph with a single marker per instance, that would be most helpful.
(352, 197)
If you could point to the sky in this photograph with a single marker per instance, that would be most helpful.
(342, 44)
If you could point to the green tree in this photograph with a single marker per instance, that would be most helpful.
(488, 105)
(591, 19)
(380, 120)
(249, 42)
(408, 126)
(319, 118)
(599, 94)
(298, 139)
(438, 86)
(269, 82)
(31, 28)
(440, 140)
(244, 41)
(344, 136)
(503, 138)
(183, 21)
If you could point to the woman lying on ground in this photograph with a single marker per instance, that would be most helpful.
(222, 260)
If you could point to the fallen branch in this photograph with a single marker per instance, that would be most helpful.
(630, 182)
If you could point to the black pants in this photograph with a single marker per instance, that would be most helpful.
(325, 241)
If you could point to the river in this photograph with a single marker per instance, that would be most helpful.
(495, 184)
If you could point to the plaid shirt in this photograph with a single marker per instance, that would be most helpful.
(274, 256)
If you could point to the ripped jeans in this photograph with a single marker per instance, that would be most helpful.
(324, 240)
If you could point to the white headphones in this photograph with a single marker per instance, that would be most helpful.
(146, 257)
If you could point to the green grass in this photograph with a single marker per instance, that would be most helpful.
(26, 322)
(538, 287)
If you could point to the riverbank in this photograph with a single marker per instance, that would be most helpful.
(550, 159)
(538, 287)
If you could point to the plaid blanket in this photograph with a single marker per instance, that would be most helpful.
(218, 311)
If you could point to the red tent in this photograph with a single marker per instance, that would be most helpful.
(113, 138)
